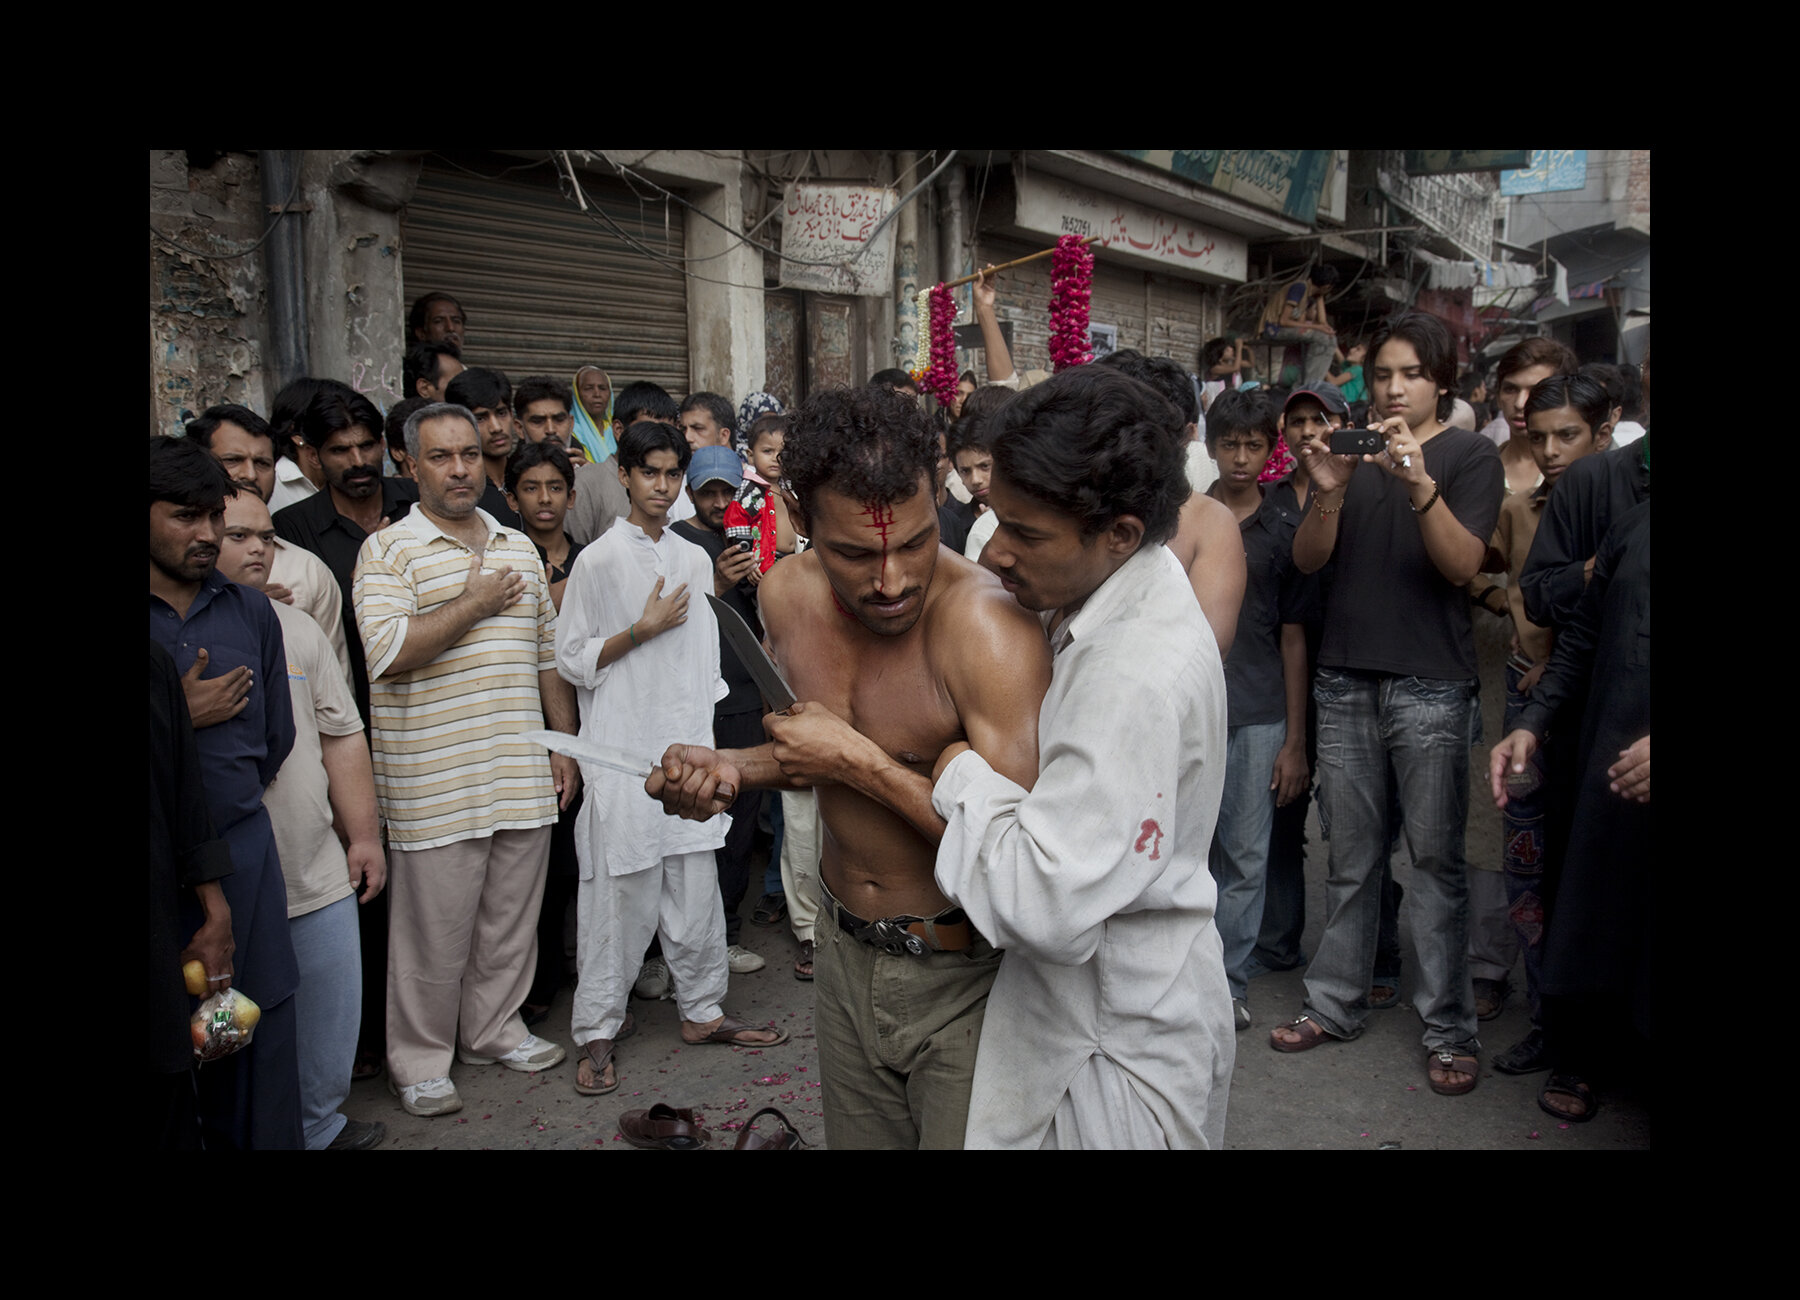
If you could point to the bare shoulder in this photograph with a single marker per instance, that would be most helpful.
(976, 625)
(787, 588)
(1203, 521)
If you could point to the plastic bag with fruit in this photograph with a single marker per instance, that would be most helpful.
(224, 1022)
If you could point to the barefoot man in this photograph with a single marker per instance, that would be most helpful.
(898, 649)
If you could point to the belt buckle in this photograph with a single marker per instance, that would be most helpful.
(896, 939)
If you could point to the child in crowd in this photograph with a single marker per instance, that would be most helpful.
(540, 486)
(1566, 417)
(1265, 683)
(759, 513)
(645, 664)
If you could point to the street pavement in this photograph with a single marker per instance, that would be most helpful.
(1370, 1094)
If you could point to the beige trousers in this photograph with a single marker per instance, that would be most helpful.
(462, 948)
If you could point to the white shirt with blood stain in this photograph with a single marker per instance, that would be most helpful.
(1095, 882)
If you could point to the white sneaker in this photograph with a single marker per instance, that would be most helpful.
(528, 1057)
(432, 1097)
(742, 961)
(653, 983)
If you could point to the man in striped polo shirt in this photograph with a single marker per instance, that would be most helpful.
(460, 630)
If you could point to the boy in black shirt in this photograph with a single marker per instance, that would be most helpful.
(1396, 686)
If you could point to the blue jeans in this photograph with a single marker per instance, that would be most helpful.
(1522, 850)
(329, 1011)
(1382, 736)
(1240, 847)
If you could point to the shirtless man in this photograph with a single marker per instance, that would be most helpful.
(898, 648)
(1206, 541)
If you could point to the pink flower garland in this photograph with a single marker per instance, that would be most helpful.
(939, 378)
(1281, 462)
(1071, 275)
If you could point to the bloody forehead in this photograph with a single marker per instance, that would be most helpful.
(880, 517)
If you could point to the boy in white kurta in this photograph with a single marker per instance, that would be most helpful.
(1109, 1024)
(643, 656)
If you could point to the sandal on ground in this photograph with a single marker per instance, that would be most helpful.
(368, 1066)
(1527, 1056)
(781, 1136)
(771, 909)
(1311, 1035)
(730, 1030)
(1448, 1060)
(663, 1128)
(804, 959)
(1569, 1085)
(1490, 997)
(597, 1054)
(1383, 996)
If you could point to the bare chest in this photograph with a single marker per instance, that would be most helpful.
(889, 693)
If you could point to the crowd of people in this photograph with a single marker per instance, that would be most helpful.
(1036, 743)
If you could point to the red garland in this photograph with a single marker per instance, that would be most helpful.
(1072, 277)
(939, 378)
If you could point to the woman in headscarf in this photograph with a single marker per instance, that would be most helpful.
(758, 403)
(593, 413)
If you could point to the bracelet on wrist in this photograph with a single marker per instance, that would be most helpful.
(1430, 501)
(1323, 511)
(632, 633)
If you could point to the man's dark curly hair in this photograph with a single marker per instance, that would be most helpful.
(870, 443)
(1095, 444)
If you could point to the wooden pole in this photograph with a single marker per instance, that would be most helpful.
(1007, 266)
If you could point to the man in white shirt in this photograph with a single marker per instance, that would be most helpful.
(1110, 1023)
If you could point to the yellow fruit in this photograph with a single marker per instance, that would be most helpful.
(195, 975)
(247, 1013)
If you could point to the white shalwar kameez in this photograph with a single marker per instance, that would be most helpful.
(1110, 1023)
(641, 870)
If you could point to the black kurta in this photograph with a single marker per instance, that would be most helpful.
(1598, 937)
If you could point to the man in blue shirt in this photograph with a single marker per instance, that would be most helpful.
(227, 645)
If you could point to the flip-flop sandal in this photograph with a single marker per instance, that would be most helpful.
(729, 1029)
(772, 910)
(1383, 996)
(1569, 1085)
(599, 1063)
(1310, 1031)
(805, 959)
(1443, 1058)
(783, 1138)
(663, 1128)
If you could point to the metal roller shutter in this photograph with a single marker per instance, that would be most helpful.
(548, 289)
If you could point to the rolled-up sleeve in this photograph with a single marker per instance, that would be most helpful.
(1042, 871)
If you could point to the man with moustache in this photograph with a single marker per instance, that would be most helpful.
(227, 645)
(457, 615)
(345, 429)
(897, 649)
(243, 443)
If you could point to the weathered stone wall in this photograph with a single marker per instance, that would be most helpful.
(207, 326)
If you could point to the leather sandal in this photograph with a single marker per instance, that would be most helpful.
(1310, 1031)
(1447, 1059)
(663, 1128)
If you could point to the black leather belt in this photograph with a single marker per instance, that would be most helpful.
(909, 935)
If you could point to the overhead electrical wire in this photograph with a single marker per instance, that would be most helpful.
(226, 257)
